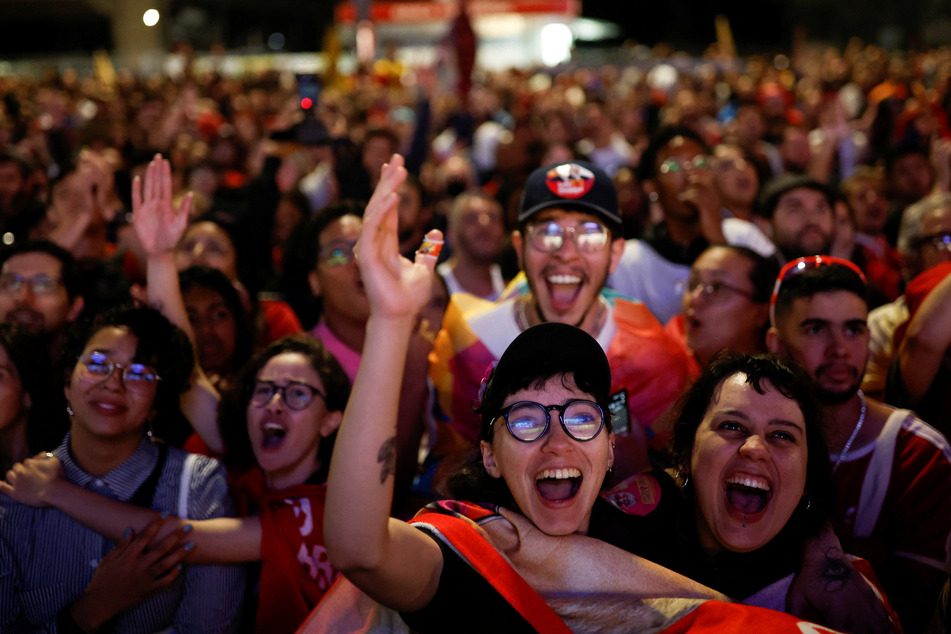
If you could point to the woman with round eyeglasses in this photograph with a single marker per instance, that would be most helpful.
(546, 446)
(278, 424)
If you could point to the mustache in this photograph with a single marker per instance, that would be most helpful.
(822, 369)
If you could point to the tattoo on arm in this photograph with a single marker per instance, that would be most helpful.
(387, 458)
(836, 571)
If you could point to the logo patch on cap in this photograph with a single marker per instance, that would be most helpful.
(569, 180)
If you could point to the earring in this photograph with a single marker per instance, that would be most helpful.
(808, 502)
(653, 197)
(69, 410)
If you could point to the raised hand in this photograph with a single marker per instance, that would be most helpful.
(29, 482)
(395, 286)
(157, 223)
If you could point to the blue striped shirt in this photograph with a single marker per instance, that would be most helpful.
(47, 558)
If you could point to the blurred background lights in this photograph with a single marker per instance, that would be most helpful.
(150, 17)
(556, 44)
(276, 41)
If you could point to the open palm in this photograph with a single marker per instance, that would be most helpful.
(157, 223)
(395, 286)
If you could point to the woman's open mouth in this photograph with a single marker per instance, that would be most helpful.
(558, 485)
(748, 494)
(272, 435)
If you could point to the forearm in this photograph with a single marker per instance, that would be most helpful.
(164, 292)
(926, 341)
(577, 565)
(360, 484)
(217, 541)
(199, 403)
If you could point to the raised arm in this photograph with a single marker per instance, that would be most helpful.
(38, 481)
(392, 562)
(926, 340)
(159, 226)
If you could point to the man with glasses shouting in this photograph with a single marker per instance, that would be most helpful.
(891, 469)
(568, 240)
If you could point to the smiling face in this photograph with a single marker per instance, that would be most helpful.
(106, 409)
(748, 466)
(285, 441)
(555, 479)
(727, 317)
(565, 284)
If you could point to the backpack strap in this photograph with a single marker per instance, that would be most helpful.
(487, 561)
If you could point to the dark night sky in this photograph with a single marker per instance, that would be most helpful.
(64, 26)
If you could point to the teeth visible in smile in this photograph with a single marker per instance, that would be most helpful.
(558, 474)
(750, 482)
(564, 279)
(272, 427)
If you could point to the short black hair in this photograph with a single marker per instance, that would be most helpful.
(821, 279)
(233, 410)
(762, 371)
(647, 168)
(70, 269)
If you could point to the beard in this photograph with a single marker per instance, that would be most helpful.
(827, 396)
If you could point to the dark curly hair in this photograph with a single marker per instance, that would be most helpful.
(233, 410)
(161, 345)
(763, 371)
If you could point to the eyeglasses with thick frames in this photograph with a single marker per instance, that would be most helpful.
(549, 236)
(41, 284)
(528, 421)
(714, 292)
(337, 252)
(138, 377)
(296, 395)
(801, 265)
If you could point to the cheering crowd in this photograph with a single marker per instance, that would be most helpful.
(648, 335)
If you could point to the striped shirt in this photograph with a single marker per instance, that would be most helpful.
(47, 558)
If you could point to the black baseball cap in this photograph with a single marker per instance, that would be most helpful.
(545, 350)
(572, 185)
